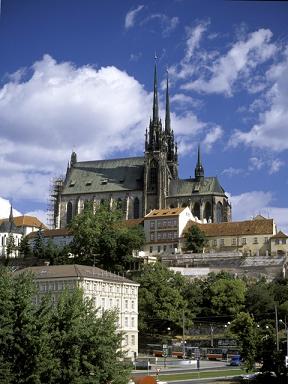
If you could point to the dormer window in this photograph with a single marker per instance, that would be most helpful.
(104, 181)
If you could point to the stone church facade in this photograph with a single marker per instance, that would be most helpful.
(139, 184)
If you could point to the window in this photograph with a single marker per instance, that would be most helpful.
(126, 304)
(151, 249)
(243, 241)
(159, 224)
(132, 322)
(255, 240)
(110, 303)
(126, 322)
(169, 223)
(117, 303)
(277, 241)
(234, 241)
(215, 243)
(164, 248)
(133, 339)
(164, 235)
(136, 208)
(103, 302)
(174, 223)
(164, 223)
(132, 304)
(152, 236)
(266, 240)
(126, 340)
(222, 242)
(159, 235)
(174, 235)
(69, 213)
(159, 248)
(152, 224)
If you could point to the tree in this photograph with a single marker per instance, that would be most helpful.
(228, 296)
(245, 331)
(10, 246)
(101, 238)
(195, 239)
(25, 248)
(259, 300)
(161, 300)
(39, 245)
(64, 343)
(87, 347)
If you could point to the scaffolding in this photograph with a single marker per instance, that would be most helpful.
(53, 210)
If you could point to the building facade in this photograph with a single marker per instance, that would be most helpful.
(107, 291)
(163, 230)
(250, 237)
(13, 229)
(138, 185)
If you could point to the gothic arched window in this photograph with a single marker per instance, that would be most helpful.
(136, 208)
(208, 211)
(219, 213)
(196, 210)
(69, 213)
(153, 176)
(119, 204)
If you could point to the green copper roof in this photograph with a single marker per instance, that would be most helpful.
(208, 186)
(105, 176)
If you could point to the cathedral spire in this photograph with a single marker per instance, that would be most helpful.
(155, 96)
(199, 170)
(11, 219)
(167, 115)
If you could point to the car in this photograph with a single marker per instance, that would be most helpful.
(249, 376)
(235, 360)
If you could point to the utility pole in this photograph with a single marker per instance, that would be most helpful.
(183, 332)
(276, 326)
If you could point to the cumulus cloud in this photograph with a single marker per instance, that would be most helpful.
(212, 136)
(249, 204)
(5, 206)
(60, 107)
(241, 59)
(131, 16)
(270, 131)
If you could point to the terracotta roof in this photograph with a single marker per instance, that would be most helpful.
(236, 228)
(51, 233)
(280, 235)
(73, 270)
(133, 222)
(164, 212)
(26, 221)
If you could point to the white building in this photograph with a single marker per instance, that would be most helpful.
(163, 229)
(17, 227)
(107, 290)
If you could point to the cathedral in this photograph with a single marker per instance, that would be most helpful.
(138, 185)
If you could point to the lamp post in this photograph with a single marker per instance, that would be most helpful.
(286, 330)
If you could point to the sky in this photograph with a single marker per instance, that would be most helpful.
(78, 75)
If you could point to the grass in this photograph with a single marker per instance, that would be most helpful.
(201, 374)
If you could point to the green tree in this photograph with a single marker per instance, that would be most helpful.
(161, 300)
(87, 347)
(195, 239)
(10, 246)
(101, 238)
(39, 245)
(259, 300)
(64, 343)
(245, 330)
(25, 249)
(227, 296)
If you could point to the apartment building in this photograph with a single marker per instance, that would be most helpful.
(107, 290)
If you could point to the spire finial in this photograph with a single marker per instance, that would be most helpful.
(155, 95)
(167, 115)
(199, 170)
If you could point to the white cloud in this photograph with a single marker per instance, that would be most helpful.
(231, 171)
(5, 206)
(271, 129)
(194, 36)
(60, 107)
(241, 59)
(212, 136)
(131, 16)
(168, 24)
(250, 204)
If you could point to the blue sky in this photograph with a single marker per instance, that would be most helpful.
(78, 75)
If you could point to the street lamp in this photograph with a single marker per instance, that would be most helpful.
(286, 330)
